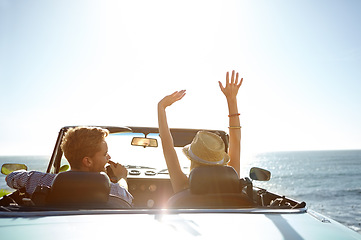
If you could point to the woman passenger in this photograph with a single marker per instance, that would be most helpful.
(206, 148)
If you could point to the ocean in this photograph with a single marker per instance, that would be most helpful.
(328, 181)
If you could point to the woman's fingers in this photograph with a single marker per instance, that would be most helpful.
(177, 95)
(221, 85)
(240, 83)
(227, 79)
(181, 94)
(232, 78)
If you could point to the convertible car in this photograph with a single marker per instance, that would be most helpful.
(78, 205)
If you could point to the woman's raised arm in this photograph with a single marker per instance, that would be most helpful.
(230, 91)
(178, 179)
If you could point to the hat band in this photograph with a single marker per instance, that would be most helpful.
(198, 159)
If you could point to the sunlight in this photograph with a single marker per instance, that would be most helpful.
(110, 63)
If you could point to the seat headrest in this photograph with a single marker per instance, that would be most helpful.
(214, 179)
(73, 187)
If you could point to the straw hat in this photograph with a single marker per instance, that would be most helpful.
(207, 148)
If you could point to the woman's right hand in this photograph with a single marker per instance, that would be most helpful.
(172, 98)
(178, 179)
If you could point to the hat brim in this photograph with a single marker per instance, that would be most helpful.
(205, 162)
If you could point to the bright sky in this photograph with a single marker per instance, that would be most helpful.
(109, 62)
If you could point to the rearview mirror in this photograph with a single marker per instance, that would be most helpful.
(144, 142)
(259, 174)
(8, 168)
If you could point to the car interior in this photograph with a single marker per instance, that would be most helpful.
(210, 187)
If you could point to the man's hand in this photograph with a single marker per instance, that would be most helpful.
(119, 171)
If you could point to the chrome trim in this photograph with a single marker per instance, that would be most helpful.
(150, 211)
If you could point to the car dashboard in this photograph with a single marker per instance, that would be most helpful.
(149, 187)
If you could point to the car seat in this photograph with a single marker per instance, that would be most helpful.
(73, 189)
(212, 187)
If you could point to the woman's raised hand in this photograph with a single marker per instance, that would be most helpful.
(231, 88)
(172, 98)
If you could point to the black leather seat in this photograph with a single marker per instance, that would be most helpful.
(74, 189)
(211, 187)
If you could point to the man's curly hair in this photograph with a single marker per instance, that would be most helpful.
(80, 142)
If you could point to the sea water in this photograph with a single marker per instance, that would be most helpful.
(328, 181)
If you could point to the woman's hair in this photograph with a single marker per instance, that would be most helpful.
(80, 142)
(195, 165)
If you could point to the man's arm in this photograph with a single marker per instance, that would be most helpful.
(119, 185)
(117, 190)
(29, 180)
(119, 174)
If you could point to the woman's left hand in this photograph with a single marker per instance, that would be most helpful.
(232, 87)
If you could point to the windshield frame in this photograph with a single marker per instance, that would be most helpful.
(181, 136)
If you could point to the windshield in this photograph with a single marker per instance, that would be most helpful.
(121, 151)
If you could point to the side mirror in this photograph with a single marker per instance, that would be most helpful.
(8, 168)
(144, 142)
(259, 174)
(64, 168)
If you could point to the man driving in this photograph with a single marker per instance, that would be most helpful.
(86, 150)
